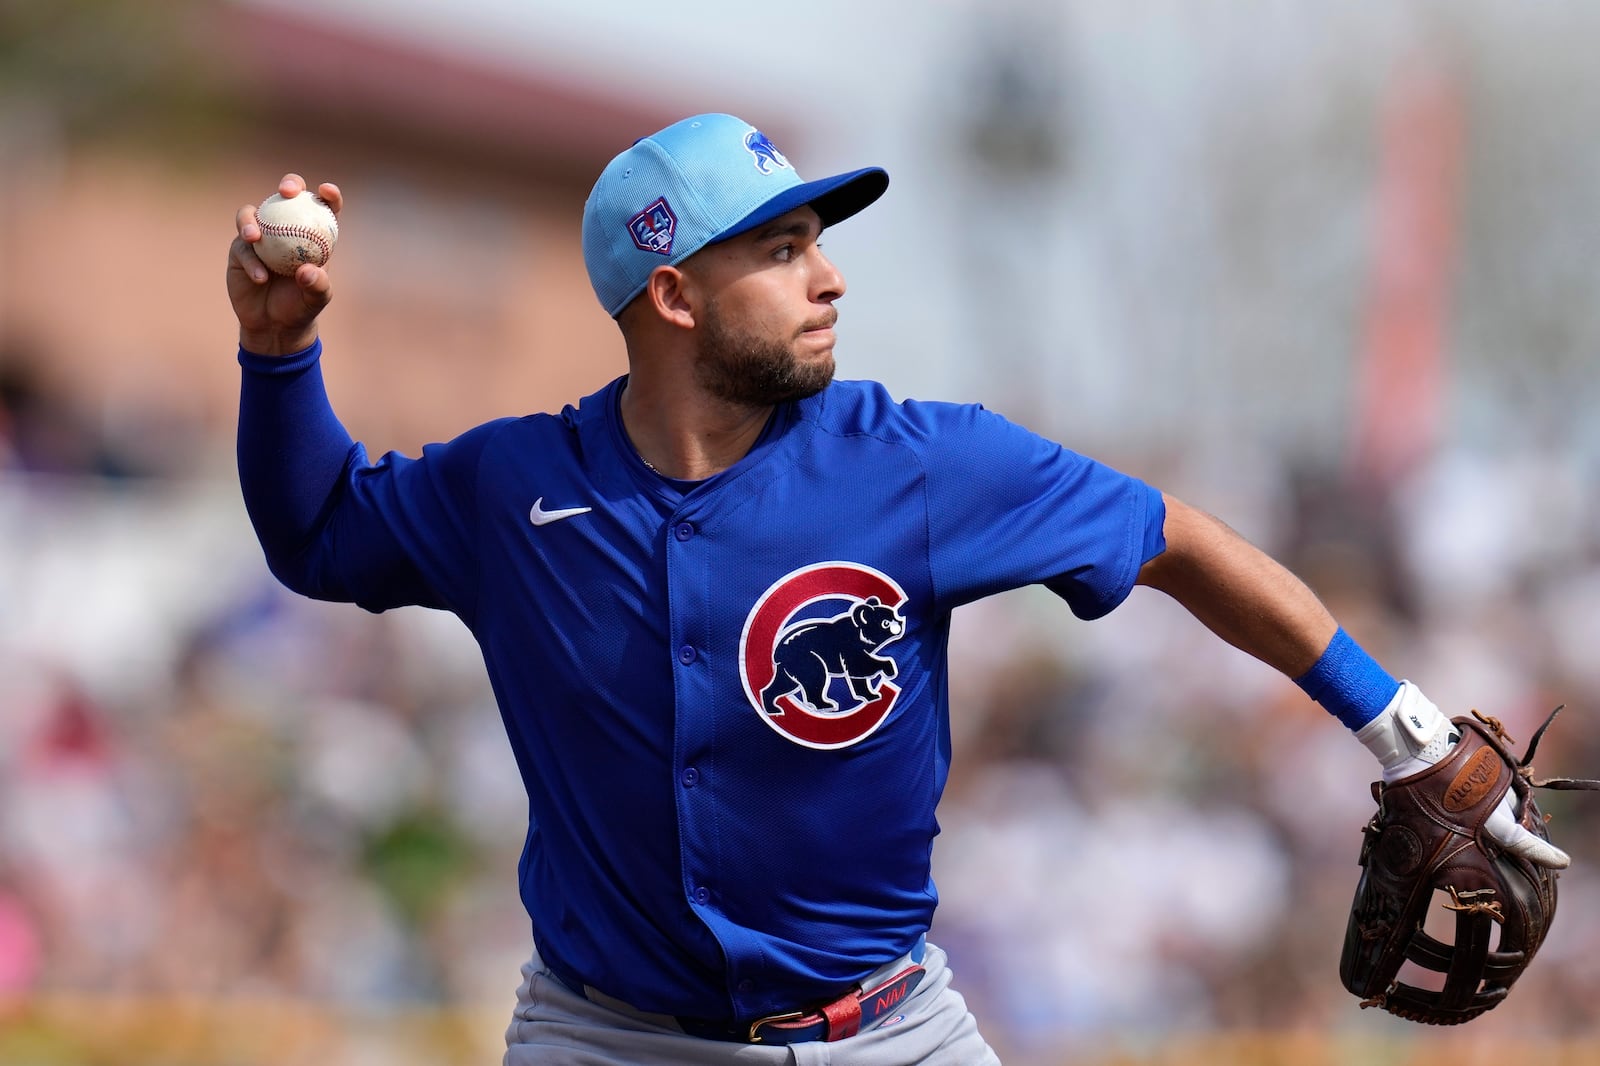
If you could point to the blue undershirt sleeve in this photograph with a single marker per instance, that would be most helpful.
(335, 526)
(292, 450)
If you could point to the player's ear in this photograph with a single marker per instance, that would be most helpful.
(669, 292)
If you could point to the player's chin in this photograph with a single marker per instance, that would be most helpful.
(815, 367)
(808, 375)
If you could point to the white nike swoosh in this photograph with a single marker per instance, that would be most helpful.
(539, 516)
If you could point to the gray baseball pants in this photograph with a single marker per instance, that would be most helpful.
(553, 1026)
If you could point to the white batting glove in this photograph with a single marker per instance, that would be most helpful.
(1411, 735)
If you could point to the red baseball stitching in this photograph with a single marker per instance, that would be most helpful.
(277, 229)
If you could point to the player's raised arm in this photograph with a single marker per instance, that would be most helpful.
(292, 449)
(277, 306)
(331, 523)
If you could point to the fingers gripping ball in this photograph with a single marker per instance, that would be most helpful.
(301, 229)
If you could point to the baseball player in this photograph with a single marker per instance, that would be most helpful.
(714, 600)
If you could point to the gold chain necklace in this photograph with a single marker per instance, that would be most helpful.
(640, 454)
(643, 460)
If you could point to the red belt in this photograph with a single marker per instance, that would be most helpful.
(842, 1018)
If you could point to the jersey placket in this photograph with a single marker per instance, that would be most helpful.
(689, 573)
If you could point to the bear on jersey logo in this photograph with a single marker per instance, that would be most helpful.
(811, 655)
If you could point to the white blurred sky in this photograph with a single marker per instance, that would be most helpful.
(840, 78)
(1199, 268)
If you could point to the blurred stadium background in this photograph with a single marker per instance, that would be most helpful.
(1326, 270)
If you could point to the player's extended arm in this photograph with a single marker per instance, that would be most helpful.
(1238, 591)
(1256, 604)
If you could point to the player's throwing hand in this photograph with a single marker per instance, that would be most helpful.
(277, 314)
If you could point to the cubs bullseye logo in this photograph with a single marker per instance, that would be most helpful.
(809, 656)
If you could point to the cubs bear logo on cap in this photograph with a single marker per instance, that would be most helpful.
(766, 153)
(698, 181)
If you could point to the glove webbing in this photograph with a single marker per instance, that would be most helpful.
(1476, 977)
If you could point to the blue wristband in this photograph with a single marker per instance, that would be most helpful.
(1348, 682)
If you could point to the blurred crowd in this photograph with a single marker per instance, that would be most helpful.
(210, 787)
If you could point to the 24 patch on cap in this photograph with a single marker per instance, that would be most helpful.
(654, 227)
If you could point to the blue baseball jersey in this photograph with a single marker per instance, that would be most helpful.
(728, 699)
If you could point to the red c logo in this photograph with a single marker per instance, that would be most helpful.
(787, 664)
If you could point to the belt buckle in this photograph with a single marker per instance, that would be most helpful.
(846, 1014)
(787, 1016)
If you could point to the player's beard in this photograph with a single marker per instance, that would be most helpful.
(753, 370)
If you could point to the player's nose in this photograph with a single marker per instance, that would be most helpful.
(827, 283)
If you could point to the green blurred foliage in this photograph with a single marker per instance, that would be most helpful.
(109, 69)
(418, 861)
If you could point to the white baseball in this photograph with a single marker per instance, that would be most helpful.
(301, 229)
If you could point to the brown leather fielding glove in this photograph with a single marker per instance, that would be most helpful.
(1428, 836)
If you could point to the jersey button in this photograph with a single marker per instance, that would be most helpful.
(747, 985)
(691, 777)
(702, 894)
(686, 655)
(683, 531)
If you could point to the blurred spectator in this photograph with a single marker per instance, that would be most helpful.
(39, 431)
(21, 946)
(45, 430)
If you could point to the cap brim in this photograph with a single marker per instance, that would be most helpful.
(834, 199)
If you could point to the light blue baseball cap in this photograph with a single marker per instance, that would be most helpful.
(701, 180)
